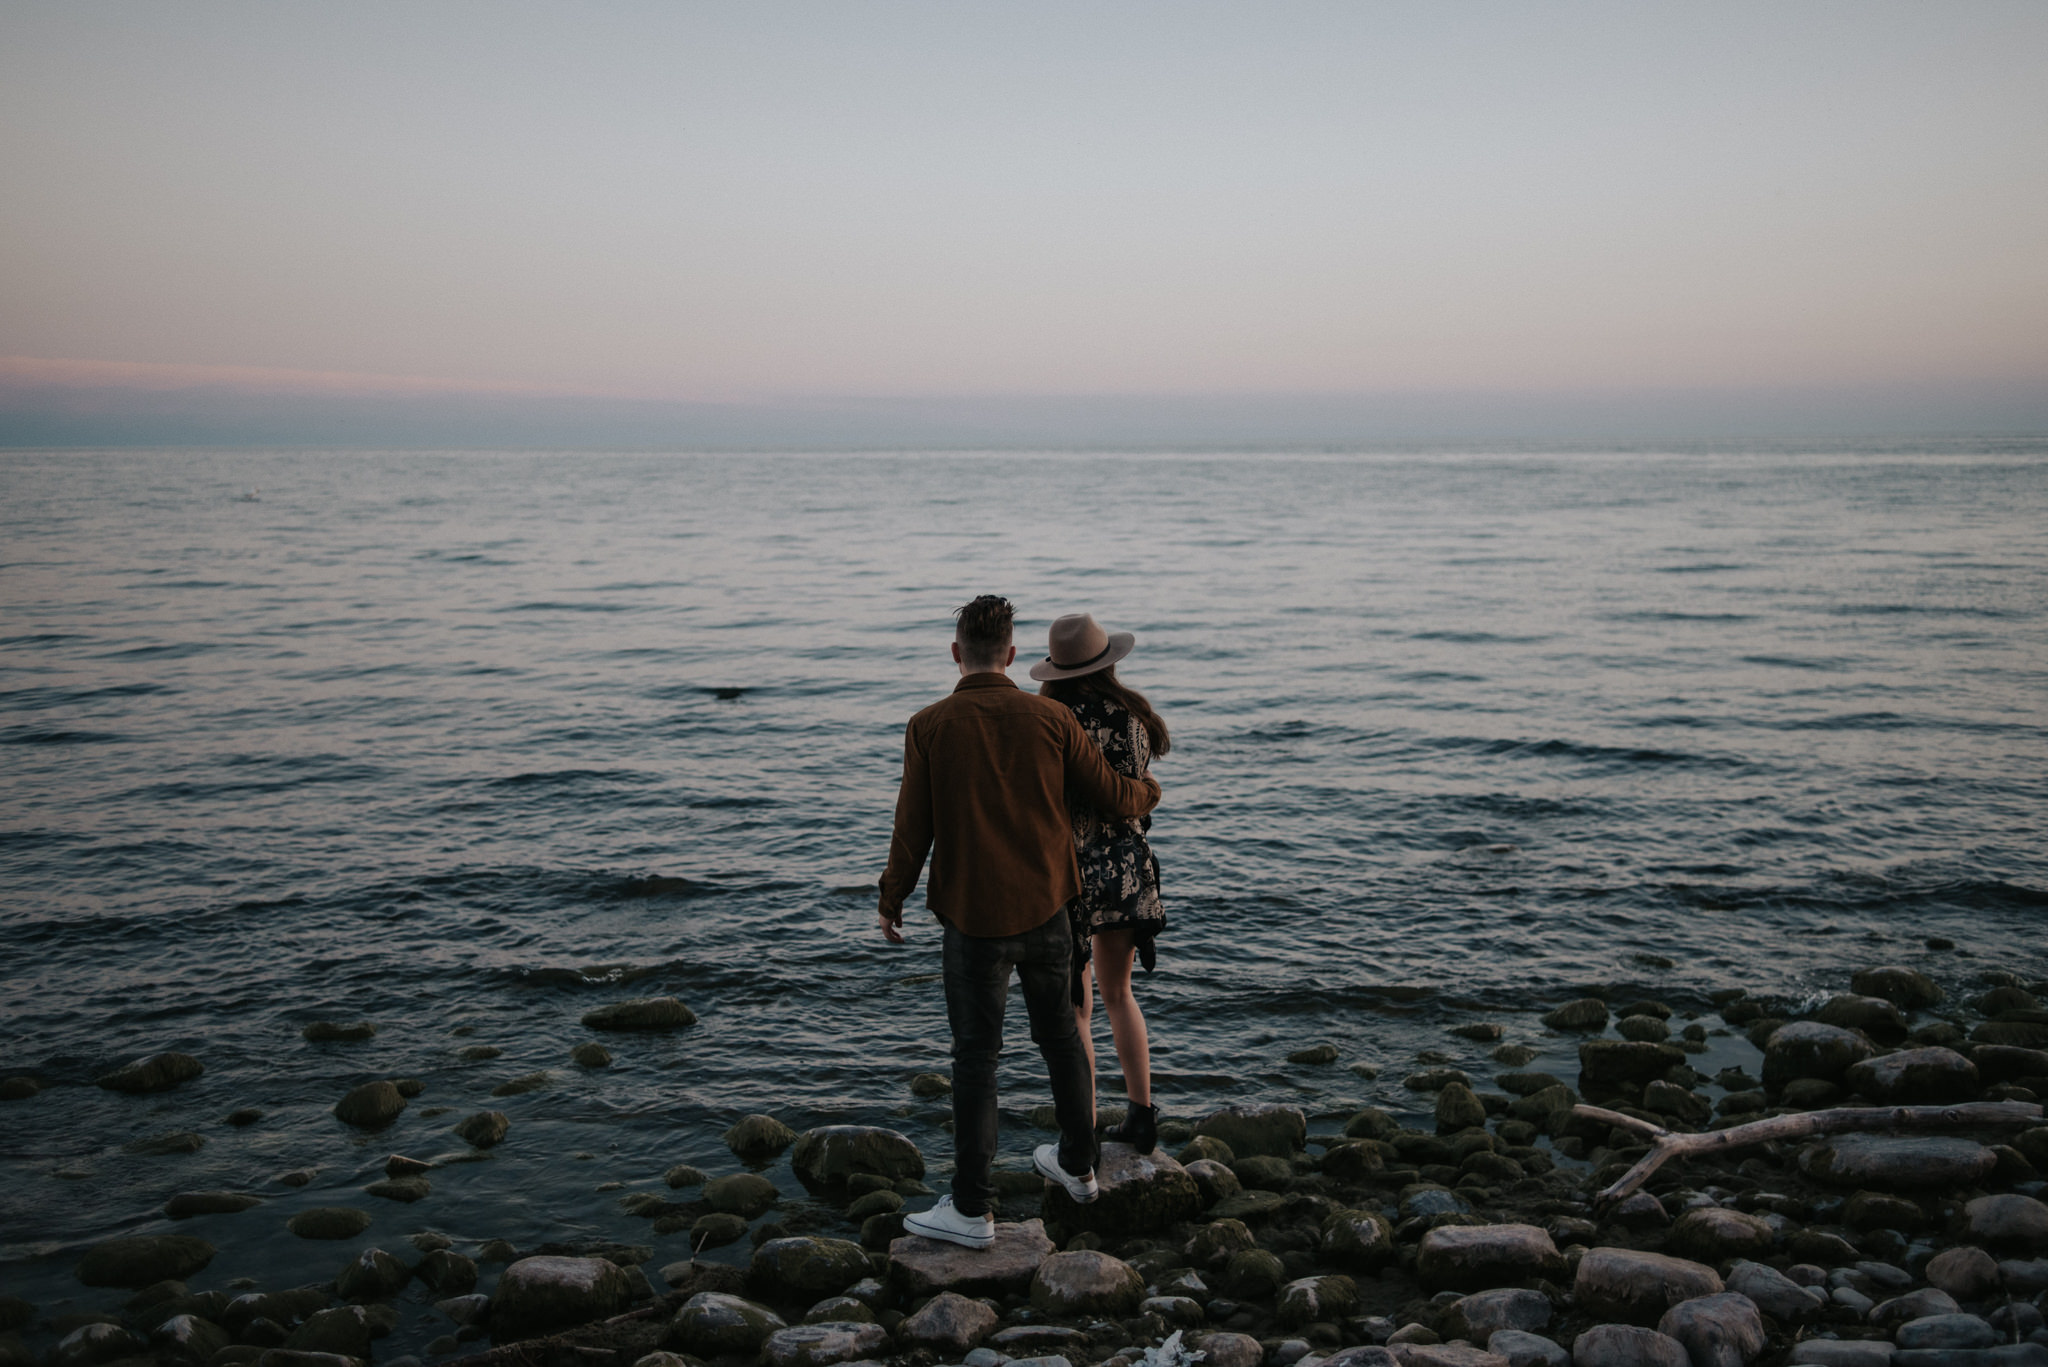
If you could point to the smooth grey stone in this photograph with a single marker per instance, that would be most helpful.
(1843, 1353)
(1523, 1349)
(1945, 1331)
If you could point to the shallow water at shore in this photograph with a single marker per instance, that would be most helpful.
(467, 745)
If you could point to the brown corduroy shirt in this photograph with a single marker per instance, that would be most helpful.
(985, 777)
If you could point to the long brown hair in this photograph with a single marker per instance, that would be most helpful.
(1103, 683)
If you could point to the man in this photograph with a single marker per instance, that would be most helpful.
(985, 777)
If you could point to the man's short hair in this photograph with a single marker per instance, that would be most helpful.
(984, 630)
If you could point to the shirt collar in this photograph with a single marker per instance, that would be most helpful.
(988, 679)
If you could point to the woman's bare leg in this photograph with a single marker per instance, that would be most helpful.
(1084, 1018)
(1113, 953)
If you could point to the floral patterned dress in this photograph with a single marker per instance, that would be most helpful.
(1119, 875)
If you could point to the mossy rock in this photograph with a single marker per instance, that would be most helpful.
(757, 1137)
(1258, 1128)
(337, 1032)
(827, 1156)
(329, 1222)
(370, 1106)
(803, 1267)
(745, 1194)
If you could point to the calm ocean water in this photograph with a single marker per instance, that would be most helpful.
(467, 744)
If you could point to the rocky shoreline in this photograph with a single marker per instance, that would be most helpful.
(1474, 1241)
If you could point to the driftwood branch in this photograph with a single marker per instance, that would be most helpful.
(1666, 1145)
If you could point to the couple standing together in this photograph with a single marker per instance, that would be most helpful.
(1033, 810)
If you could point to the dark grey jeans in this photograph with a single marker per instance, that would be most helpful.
(977, 983)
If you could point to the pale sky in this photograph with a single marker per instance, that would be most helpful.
(762, 201)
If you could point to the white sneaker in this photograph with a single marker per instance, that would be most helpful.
(1046, 1158)
(944, 1222)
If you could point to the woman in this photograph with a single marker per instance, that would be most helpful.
(1119, 911)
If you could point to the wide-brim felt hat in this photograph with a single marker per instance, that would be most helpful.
(1078, 645)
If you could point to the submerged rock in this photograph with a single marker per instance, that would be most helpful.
(143, 1260)
(640, 1013)
(483, 1130)
(541, 1295)
(334, 1032)
(187, 1204)
(1257, 1128)
(924, 1267)
(329, 1222)
(370, 1106)
(405, 1189)
(18, 1088)
(591, 1055)
(153, 1073)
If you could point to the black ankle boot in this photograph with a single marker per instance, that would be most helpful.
(1139, 1128)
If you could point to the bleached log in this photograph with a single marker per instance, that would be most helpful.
(1666, 1145)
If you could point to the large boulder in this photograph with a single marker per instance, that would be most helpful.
(824, 1343)
(1714, 1234)
(949, 1324)
(1718, 1331)
(1892, 1162)
(1086, 1282)
(1809, 1049)
(545, 1294)
(713, 1324)
(1627, 1345)
(2009, 1223)
(805, 1267)
(827, 1156)
(756, 1137)
(1477, 1257)
(1142, 1193)
(370, 1106)
(1258, 1128)
(1915, 1077)
(640, 1013)
(1483, 1314)
(924, 1267)
(1907, 987)
(153, 1073)
(143, 1260)
(1636, 1287)
(1964, 1273)
(1309, 1300)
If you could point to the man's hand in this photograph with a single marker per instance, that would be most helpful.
(892, 931)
